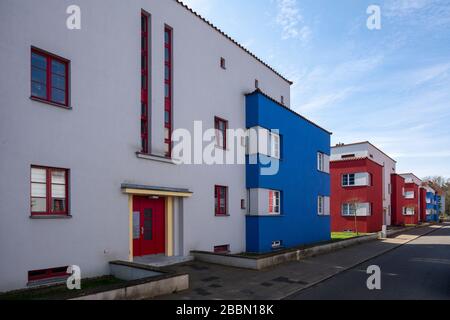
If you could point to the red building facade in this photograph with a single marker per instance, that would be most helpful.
(406, 199)
(356, 195)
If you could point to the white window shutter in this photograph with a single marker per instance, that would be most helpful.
(362, 179)
(252, 141)
(363, 209)
(263, 141)
(326, 163)
(327, 206)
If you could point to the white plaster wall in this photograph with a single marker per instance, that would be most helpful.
(98, 139)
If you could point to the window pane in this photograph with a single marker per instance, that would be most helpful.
(38, 75)
(166, 37)
(58, 96)
(351, 179)
(58, 82)
(167, 90)
(38, 205)
(38, 61)
(167, 73)
(58, 191)
(58, 68)
(166, 117)
(166, 134)
(38, 190)
(38, 175)
(58, 205)
(38, 90)
(166, 54)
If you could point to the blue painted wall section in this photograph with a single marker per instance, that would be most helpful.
(298, 179)
(433, 206)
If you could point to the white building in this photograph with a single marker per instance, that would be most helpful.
(368, 150)
(84, 121)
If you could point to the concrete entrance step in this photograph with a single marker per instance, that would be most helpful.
(159, 261)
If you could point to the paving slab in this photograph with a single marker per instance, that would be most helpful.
(216, 282)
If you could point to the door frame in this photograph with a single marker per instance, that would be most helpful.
(169, 212)
(157, 244)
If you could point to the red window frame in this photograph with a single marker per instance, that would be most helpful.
(145, 17)
(220, 191)
(50, 57)
(48, 199)
(217, 122)
(168, 72)
(44, 274)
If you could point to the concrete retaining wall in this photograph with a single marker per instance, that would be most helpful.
(270, 260)
(144, 290)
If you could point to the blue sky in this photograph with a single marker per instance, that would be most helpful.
(388, 86)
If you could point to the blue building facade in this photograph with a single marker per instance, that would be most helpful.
(433, 209)
(288, 184)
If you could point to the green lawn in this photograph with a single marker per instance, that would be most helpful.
(335, 236)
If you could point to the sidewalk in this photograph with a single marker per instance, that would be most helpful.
(208, 281)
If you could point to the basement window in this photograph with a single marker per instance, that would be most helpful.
(222, 249)
(59, 273)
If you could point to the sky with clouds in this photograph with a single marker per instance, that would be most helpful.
(388, 86)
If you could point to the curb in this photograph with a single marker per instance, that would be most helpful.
(365, 260)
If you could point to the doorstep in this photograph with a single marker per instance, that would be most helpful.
(159, 261)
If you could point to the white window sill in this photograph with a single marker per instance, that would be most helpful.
(155, 158)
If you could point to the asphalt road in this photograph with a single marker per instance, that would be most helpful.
(417, 270)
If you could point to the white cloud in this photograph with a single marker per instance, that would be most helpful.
(291, 21)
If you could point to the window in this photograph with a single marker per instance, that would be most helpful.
(274, 202)
(45, 274)
(358, 209)
(356, 179)
(49, 78)
(409, 195)
(168, 91)
(144, 82)
(408, 211)
(349, 209)
(348, 180)
(323, 206)
(221, 127)
(223, 63)
(282, 99)
(221, 200)
(222, 249)
(256, 83)
(323, 162)
(347, 156)
(49, 191)
(275, 145)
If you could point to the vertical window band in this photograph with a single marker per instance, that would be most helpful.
(168, 91)
(144, 82)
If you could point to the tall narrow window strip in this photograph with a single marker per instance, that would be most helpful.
(221, 127)
(144, 82)
(168, 91)
(49, 78)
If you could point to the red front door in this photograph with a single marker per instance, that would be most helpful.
(148, 226)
